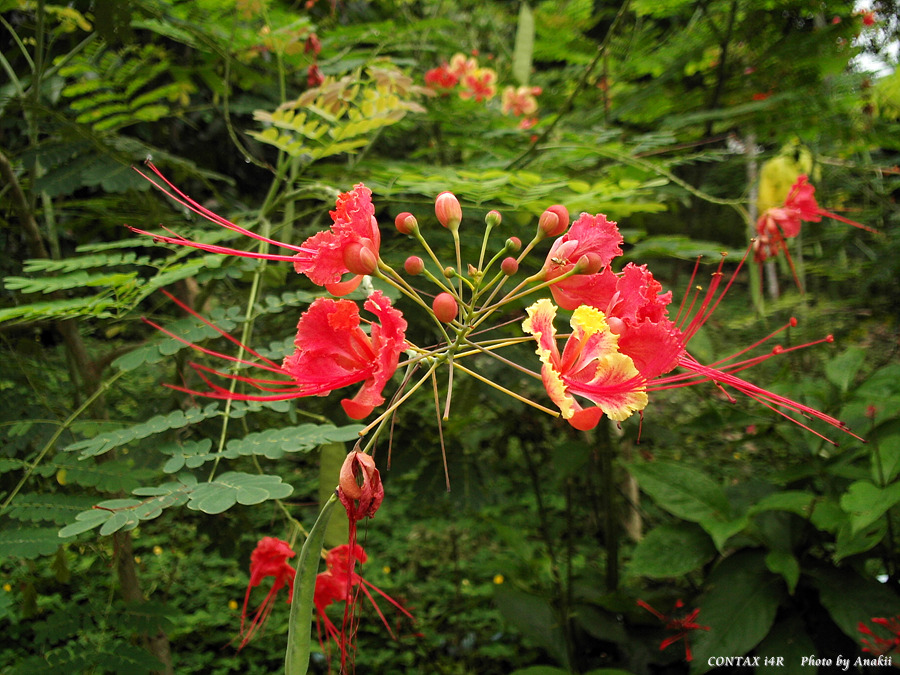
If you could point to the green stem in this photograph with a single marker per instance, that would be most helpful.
(296, 658)
(52, 442)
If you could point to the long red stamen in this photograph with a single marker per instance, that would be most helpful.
(221, 332)
(212, 248)
(177, 195)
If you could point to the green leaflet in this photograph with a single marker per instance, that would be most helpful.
(214, 497)
(28, 542)
(110, 440)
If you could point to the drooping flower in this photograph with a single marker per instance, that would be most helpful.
(331, 352)
(335, 585)
(269, 559)
(626, 314)
(778, 224)
(360, 489)
(479, 85)
(879, 646)
(682, 627)
(351, 245)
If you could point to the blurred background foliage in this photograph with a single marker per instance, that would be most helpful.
(659, 114)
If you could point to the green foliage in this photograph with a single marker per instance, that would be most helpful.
(108, 89)
(783, 541)
(339, 116)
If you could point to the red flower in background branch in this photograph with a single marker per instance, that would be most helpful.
(682, 627)
(269, 559)
(879, 646)
(776, 225)
(331, 352)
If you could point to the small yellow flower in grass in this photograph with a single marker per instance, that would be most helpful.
(7, 587)
(233, 605)
(498, 579)
(137, 559)
(386, 569)
(157, 550)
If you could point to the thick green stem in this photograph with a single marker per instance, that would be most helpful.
(296, 659)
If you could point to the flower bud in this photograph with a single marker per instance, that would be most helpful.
(513, 244)
(554, 221)
(449, 272)
(406, 223)
(493, 218)
(589, 263)
(414, 265)
(509, 266)
(448, 210)
(445, 307)
(358, 258)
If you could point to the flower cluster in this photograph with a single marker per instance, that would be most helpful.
(463, 74)
(624, 345)
(473, 82)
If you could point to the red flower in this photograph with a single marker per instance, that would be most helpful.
(335, 585)
(520, 102)
(269, 559)
(314, 76)
(351, 245)
(331, 352)
(776, 225)
(592, 242)
(479, 85)
(441, 77)
(880, 646)
(682, 627)
(623, 342)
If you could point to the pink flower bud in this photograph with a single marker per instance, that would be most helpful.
(448, 210)
(445, 307)
(414, 265)
(358, 257)
(513, 244)
(406, 223)
(589, 263)
(493, 218)
(509, 266)
(554, 221)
